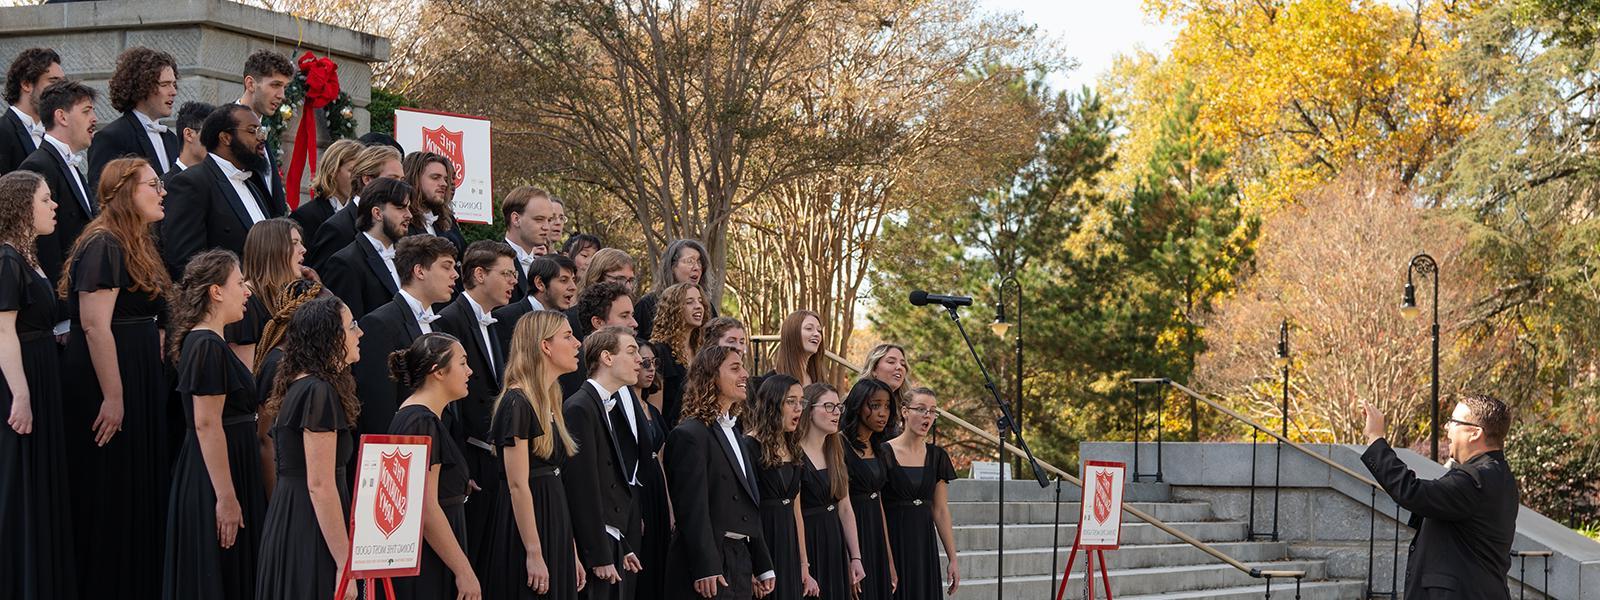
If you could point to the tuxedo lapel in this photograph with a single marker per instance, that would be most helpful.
(70, 174)
(20, 130)
(471, 330)
(225, 187)
(743, 470)
(611, 433)
(170, 140)
(143, 137)
(408, 319)
(379, 269)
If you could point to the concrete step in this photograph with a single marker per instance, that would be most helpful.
(1036, 561)
(1205, 580)
(1028, 490)
(1337, 589)
(980, 513)
(986, 537)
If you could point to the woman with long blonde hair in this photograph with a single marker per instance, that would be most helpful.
(677, 335)
(530, 552)
(330, 187)
(115, 286)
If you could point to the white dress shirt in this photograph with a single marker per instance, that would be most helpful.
(35, 128)
(239, 178)
(726, 424)
(154, 134)
(484, 320)
(605, 417)
(68, 154)
(387, 254)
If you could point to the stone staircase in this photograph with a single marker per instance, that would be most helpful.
(1151, 563)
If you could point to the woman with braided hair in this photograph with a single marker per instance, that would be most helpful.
(215, 509)
(269, 354)
(117, 391)
(274, 253)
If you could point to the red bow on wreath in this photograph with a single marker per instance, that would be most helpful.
(322, 87)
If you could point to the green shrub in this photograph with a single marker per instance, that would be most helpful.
(1559, 472)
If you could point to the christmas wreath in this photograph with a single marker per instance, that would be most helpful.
(340, 112)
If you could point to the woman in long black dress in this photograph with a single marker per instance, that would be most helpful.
(773, 447)
(304, 539)
(436, 367)
(657, 507)
(269, 354)
(36, 560)
(866, 415)
(677, 337)
(217, 502)
(115, 386)
(531, 554)
(917, 502)
(830, 522)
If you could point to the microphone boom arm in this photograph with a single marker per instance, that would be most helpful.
(1005, 420)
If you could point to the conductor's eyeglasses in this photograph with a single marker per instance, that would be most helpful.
(1456, 421)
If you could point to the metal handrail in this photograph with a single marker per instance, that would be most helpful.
(1061, 474)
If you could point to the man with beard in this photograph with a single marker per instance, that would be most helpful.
(143, 87)
(21, 128)
(214, 204)
(266, 76)
(363, 273)
(431, 177)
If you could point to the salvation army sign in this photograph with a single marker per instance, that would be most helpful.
(386, 514)
(1100, 521)
(465, 141)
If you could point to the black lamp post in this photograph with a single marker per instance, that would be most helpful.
(1000, 327)
(1424, 265)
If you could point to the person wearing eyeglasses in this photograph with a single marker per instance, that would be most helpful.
(214, 204)
(832, 551)
(1466, 519)
(775, 408)
(916, 501)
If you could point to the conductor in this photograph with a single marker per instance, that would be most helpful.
(1466, 519)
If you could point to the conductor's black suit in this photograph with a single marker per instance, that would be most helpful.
(1465, 522)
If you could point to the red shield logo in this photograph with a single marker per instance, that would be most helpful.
(1102, 495)
(447, 143)
(389, 509)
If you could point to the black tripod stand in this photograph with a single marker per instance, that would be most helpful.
(1003, 425)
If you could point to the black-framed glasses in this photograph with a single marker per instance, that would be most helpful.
(1456, 421)
(831, 407)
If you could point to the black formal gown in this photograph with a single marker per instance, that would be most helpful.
(247, 331)
(908, 506)
(779, 485)
(867, 476)
(196, 566)
(120, 493)
(657, 538)
(36, 560)
(434, 580)
(504, 573)
(674, 375)
(825, 547)
(295, 562)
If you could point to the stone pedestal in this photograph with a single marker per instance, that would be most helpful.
(209, 39)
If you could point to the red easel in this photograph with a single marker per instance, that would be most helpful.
(1106, 482)
(1089, 555)
(346, 577)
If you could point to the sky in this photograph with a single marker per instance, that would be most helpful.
(1093, 32)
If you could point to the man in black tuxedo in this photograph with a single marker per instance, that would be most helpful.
(601, 496)
(366, 274)
(432, 179)
(428, 271)
(189, 123)
(67, 109)
(214, 204)
(604, 304)
(331, 188)
(551, 276)
(489, 272)
(21, 128)
(266, 76)
(1466, 519)
(713, 487)
(143, 88)
(372, 162)
(528, 213)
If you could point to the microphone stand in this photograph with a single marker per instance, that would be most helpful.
(1002, 423)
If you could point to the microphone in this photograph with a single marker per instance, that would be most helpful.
(921, 298)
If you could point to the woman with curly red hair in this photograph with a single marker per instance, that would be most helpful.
(117, 389)
(143, 88)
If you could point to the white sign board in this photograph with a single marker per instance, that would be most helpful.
(465, 141)
(989, 470)
(1100, 521)
(386, 515)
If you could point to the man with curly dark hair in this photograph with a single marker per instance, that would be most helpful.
(266, 77)
(21, 129)
(143, 88)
